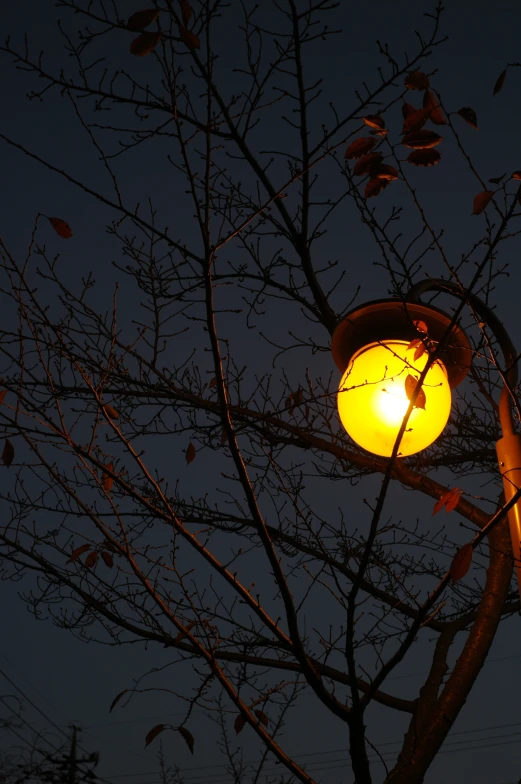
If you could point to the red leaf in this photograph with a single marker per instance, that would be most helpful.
(77, 552)
(449, 500)
(240, 721)
(419, 351)
(186, 10)
(421, 326)
(144, 44)
(414, 344)
(424, 157)
(481, 201)
(213, 382)
(117, 699)
(188, 737)
(261, 717)
(385, 172)
(407, 109)
(107, 481)
(416, 120)
(461, 562)
(366, 164)
(3, 393)
(422, 140)
(469, 115)
(61, 228)
(111, 412)
(142, 19)
(374, 121)
(107, 559)
(410, 388)
(500, 81)
(360, 147)
(416, 80)
(8, 453)
(431, 103)
(182, 633)
(154, 732)
(91, 559)
(189, 39)
(516, 176)
(374, 187)
(190, 453)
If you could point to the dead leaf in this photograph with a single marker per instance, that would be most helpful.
(213, 382)
(144, 44)
(3, 393)
(420, 351)
(77, 552)
(182, 633)
(416, 120)
(360, 147)
(374, 187)
(61, 228)
(385, 172)
(469, 115)
(186, 11)
(154, 732)
(91, 559)
(189, 39)
(142, 19)
(516, 176)
(410, 388)
(500, 82)
(261, 717)
(424, 157)
(416, 80)
(107, 481)
(449, 500)
(422, 140)
(374, 121)
(190, 453)
(414, 344)
(421, 326)
(481, 201)
(188, 737)
(497, 180)
(8, 453)
(407, 109)
(366, 164)
(239, 723)
(431, 103)
(111, 412)
(461, 562)
(107, 559)
(117, 699)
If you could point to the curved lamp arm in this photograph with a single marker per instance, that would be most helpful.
(508, 447)
(489, 317)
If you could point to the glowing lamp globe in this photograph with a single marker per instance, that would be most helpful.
(380, 368)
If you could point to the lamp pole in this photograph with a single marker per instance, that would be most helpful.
(508, 448)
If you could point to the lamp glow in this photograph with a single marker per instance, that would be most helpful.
(372, 400)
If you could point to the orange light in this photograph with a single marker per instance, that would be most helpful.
(372, 399)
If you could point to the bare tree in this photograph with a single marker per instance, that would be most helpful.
(250, 565)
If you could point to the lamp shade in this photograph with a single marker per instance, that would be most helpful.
(374, 395)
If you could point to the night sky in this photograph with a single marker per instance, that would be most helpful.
(73, 682)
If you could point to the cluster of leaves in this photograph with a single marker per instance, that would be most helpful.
(147, 40)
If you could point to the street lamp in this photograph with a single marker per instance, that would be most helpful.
(386, 349)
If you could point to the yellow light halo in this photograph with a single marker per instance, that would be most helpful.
(372, 401)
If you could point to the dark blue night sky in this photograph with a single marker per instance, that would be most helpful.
(72, 682)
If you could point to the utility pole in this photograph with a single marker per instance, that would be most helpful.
(71, 778)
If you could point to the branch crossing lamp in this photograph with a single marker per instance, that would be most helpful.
(391, 353)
